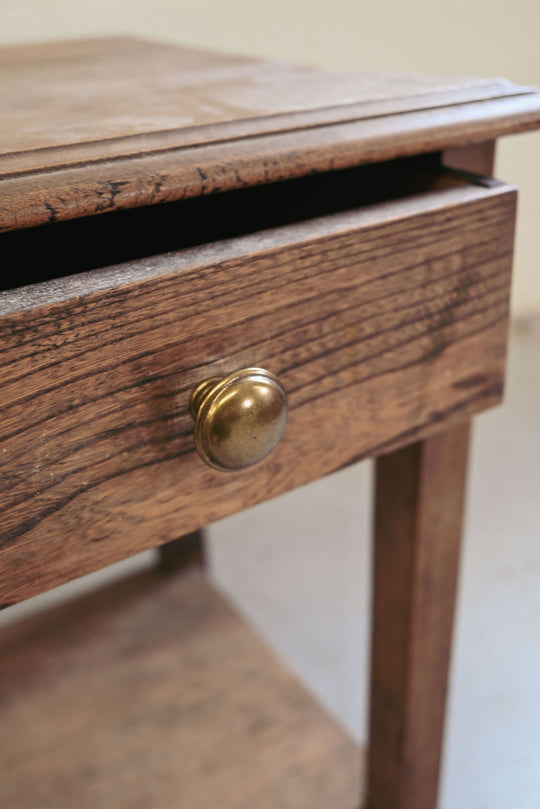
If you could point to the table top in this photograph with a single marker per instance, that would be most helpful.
(99, 124)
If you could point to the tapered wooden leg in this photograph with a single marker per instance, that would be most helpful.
(418, 517)
(183, 552)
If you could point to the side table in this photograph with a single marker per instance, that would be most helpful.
(170, 217)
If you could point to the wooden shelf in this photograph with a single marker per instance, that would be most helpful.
(153, 694)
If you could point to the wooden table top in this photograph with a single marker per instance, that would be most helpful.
(99, 124)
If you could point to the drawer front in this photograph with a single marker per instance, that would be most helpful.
(384, 324)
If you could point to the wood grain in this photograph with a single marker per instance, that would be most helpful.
(384, 324)
(39, 254)
(152, 693)
(96, 95)
(110, 124)
(418, 516)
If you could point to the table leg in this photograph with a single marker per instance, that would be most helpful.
(183, 552)
(418, 516)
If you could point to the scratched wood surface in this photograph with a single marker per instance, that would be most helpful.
(113, 123)
(153, 693)
(384, 324)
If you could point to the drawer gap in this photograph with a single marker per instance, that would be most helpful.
(66, 248)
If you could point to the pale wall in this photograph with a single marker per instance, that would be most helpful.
(485, 37)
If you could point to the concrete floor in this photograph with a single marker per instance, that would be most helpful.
(298, 568)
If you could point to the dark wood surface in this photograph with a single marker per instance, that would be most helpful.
(419, 499)
(384, 324)
(115, 123)
(418, 518)
(183, 552)
(386, 321)
(153, 694)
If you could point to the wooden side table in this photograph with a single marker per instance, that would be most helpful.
(169, 217)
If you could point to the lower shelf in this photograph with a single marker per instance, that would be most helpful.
(152, 694)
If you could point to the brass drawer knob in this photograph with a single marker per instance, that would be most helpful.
(239, 418)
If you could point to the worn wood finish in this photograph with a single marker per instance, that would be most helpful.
(102, 91)
(418, 516)
(384, 325)
(110, 124)
(39, 254)
(154, 694)
(417, 537)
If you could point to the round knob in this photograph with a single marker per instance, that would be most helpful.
(239, 418)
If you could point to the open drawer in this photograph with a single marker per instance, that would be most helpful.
(378, 296)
